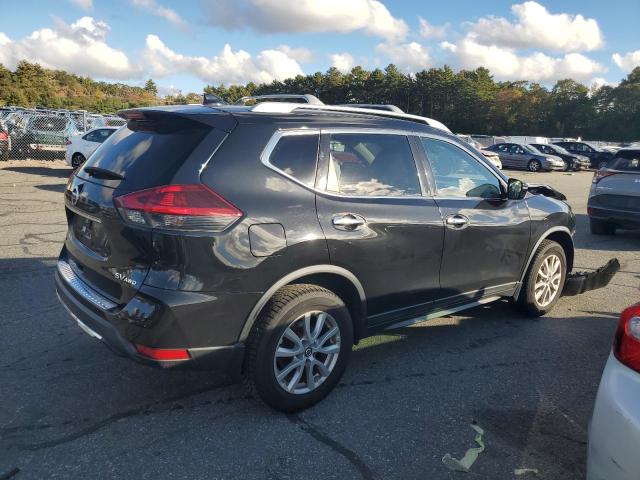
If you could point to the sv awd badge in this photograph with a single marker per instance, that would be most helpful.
(123, 278)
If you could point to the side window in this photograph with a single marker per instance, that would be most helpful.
(297, 155)
(458, 174)
(545, 149)
(92, 136)
(503, 147)
(103, 134)
(372, 165)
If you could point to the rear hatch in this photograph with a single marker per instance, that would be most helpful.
(155, 148)
(618, 186)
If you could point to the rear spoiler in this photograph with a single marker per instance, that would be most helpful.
(207, 115)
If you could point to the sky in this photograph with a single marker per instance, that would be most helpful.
(188, 44)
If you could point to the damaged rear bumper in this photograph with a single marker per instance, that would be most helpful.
(581, 282)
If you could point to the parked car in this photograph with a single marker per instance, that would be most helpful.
(614, 433)
(259, 258)
(597, 156)
(571, 161)
(520, 155)
(5, 143)
(493, 157)
(614, 198)
(35, 134)
(81, 146)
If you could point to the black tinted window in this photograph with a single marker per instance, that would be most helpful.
(372, 165)
(148, 151)
(458, 174)
(626, 161)
(296, 155)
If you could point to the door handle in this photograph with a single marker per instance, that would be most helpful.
(457, 221)
(347, 221)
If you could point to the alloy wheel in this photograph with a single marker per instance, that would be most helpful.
(548, 280)
(307, 352)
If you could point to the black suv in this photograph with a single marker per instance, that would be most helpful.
(597, 156)
(267, 240)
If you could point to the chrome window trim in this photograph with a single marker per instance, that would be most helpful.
(80, 287)
(82, 213)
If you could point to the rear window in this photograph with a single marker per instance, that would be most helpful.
(48, 124)
(626, 161)
(148, 153)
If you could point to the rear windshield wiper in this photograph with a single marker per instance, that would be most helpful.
(103, 173)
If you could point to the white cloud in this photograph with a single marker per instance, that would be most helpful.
(155, 8)
(505, 63)
(226, 67)
(80, 48)
(410, 57)
(343, 61)
(300, 54)
(427, 30)
(309, 16)
(84, 4)
(628, 61)
(536, 27)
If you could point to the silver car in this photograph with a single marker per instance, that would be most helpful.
(614, 198)
(614, 433)
(519, 155)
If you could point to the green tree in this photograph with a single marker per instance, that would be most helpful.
(151, 87)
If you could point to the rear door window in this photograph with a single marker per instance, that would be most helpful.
(296, 155)
(363, 164)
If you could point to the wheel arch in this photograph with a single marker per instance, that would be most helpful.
(558, 234)
(337, 279)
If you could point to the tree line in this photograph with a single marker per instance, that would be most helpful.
(468, 101)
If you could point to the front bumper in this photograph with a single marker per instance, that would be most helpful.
(102, 319)
(614, 434)
(581, 282)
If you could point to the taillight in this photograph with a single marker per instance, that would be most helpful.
(626, 346)
(3, 135)
(178, 207)
(600, 174)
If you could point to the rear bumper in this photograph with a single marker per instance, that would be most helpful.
(614, 434)
(102, 319)
(621, 218)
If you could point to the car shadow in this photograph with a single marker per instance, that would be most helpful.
(44, 171)
(52, 187)
(623, 240)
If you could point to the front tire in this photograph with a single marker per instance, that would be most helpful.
(534, 166)
(299, 347)
(544, 280)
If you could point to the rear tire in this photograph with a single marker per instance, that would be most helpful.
(544, 280)
(534, 166)
(281, 338)
(77, 159)
(601, 227)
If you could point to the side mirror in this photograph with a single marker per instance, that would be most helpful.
(516, 189)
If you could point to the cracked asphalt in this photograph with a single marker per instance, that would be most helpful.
(71, 409)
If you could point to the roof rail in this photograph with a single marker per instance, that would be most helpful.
(307, 98)
(280, 107)
(373, 106)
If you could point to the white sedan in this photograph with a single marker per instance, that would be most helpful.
(80, 147)
(614, 434)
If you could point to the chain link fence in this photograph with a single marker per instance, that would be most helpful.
(43, 134)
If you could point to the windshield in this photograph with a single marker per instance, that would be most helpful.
(559, 149)
(530, 149)
(48, 124)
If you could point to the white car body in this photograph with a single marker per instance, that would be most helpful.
(85, 144)
(614, 434)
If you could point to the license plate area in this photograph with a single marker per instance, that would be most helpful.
(91, 234)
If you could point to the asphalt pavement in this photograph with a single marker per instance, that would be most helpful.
(71, 409)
